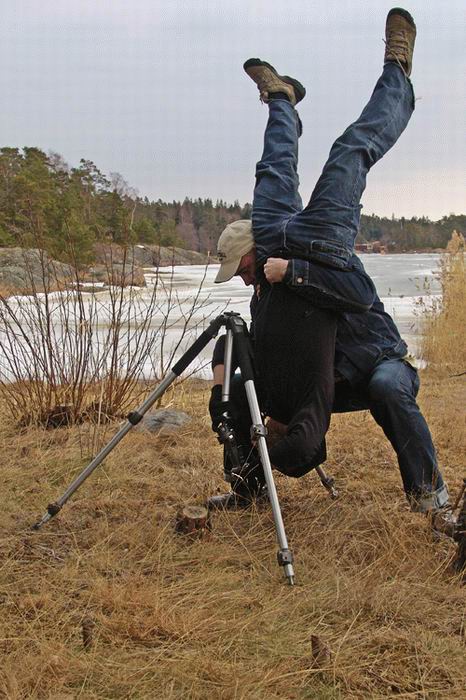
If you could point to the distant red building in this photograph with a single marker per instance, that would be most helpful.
(371, 247)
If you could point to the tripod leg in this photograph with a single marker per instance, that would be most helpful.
(285, 556)
(135, 417)
(227, 436)
(241, 467)
(227, 363)
(327, 482)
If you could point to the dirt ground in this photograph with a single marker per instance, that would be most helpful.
(376, 611)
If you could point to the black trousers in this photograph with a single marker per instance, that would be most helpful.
(294, 351)
(389, 393)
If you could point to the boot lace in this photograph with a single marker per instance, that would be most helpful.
(397, 47)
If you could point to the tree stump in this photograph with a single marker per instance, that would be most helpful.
(321, 654)
(87, 629)
(193, 520)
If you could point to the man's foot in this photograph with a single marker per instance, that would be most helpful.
(400, 34)
(233, 500)
(459, 563)
(443, 522)
(269, 82)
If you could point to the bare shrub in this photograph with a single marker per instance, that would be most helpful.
(67, 354)
(212, 617)
(444, 323)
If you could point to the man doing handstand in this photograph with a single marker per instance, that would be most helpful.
(302, 265)
(295, 325)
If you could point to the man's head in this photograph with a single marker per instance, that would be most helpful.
(236, 252)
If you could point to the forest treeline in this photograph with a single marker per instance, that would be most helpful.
(46, 203)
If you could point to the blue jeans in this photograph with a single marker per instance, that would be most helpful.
(390, 395)
(325, 230)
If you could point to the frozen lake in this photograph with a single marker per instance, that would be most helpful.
(401, 281)
(186, 297)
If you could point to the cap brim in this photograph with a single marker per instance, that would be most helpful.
(227, 271)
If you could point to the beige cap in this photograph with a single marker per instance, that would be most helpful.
(235, 241)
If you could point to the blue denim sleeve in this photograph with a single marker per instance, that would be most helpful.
(350, 289)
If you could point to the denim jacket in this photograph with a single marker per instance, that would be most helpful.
(363, 339)
(350, 289)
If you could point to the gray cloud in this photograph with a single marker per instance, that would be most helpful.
(155, 90)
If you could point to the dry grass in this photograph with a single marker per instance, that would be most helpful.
(444, 327)
(106, 601)
(166, 617)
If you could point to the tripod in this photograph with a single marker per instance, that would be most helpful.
(236, 333)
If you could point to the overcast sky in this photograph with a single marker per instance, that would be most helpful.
(155, 90)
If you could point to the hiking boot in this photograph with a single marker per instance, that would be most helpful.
(269, 82)
(443, 522)
(459, 563)
(247, 487)
(400, 34)
(232, 500)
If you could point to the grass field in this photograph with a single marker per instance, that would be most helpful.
(164, 616)
(214, 618)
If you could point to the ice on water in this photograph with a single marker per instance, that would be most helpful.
(401, 280)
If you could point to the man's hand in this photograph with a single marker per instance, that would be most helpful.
(275, 431)
(275, 269)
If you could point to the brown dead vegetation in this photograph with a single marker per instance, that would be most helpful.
(444, 326)
(108, 601)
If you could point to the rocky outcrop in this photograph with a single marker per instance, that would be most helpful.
(179, 256)
(26, 269)
(147, 255)
(115, 274)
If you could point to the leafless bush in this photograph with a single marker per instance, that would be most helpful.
(68, 354)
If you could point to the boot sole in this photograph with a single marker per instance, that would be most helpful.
(299, 89)
(403, 13)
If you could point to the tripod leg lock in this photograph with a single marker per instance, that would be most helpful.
(258, 430)
(134, 417)
(53, 509)
(284, 557)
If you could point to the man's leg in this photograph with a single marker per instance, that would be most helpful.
(294, 352)
(333, 213)
(276, 196)
(277, 202)
(391, 392)
(247, 481)
(294, 342)
(390, 395)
